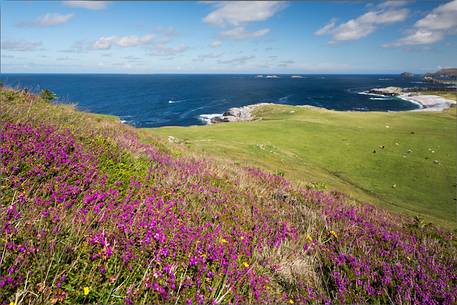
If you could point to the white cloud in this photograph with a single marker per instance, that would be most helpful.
(216, 44)
(22, 46)
(162, 50)
(317, 67)
(241, 33)
(237, 60)
(326, 29)
(90, 5)
(352, 30)
(104, 43)
(443, 17)
(440, 22)
(241, 12)
(420, 36)
(238, 14)
(362, 26)
(393, 3)
(203, 57)
(50, 19)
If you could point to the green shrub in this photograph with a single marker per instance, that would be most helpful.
(48, 95)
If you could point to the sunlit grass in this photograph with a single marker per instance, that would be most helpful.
(89, 214)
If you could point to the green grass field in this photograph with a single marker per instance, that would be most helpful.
(405, 161)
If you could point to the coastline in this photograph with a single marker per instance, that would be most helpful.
(426, 102)
(234, 114)
(429, 103)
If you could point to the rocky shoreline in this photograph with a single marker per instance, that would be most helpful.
(235, 114)
(425, 103)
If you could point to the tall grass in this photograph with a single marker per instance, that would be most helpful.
(90, 214)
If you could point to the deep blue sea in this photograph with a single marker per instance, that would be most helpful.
(164, 100)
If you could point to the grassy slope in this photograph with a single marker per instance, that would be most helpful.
(247, 207)
(336, 148)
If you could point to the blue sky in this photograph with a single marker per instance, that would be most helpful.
(228, 37)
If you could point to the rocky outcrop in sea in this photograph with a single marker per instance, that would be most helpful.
(235, 114)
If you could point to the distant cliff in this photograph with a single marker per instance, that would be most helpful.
(443, 76)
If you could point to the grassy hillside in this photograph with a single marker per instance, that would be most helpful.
(405, 161)
(90, 214)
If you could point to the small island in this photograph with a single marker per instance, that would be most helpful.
(407, 75)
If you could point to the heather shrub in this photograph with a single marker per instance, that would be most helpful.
(88, 213)
(143, 242)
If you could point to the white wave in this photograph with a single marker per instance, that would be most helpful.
(368, 93)
(384, 79)
(207, 117)
(175, 101)
(379, 98)
(284, 98)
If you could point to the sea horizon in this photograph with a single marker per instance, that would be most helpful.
(154, 100)
(202, 73)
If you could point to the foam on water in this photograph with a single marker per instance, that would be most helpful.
(284, 99)
(207, 117)
(380, 98)
(368, 93)
(175, 101)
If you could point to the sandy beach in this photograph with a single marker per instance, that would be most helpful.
(428, 102)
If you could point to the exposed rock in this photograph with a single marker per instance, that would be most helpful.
(172, 139)
(236, 114)
(407, 74)
(390, 91)
(444, 73)
(444, 76)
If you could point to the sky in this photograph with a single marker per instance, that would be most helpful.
(147, 37)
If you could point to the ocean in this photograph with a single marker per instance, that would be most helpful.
(182, 100)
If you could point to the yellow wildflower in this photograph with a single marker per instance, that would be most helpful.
(308, 237)
(86, 290)
(291, 301)
(245, 265)
(12, 303)
(334, 233)
(224, 241)
(242, 237)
